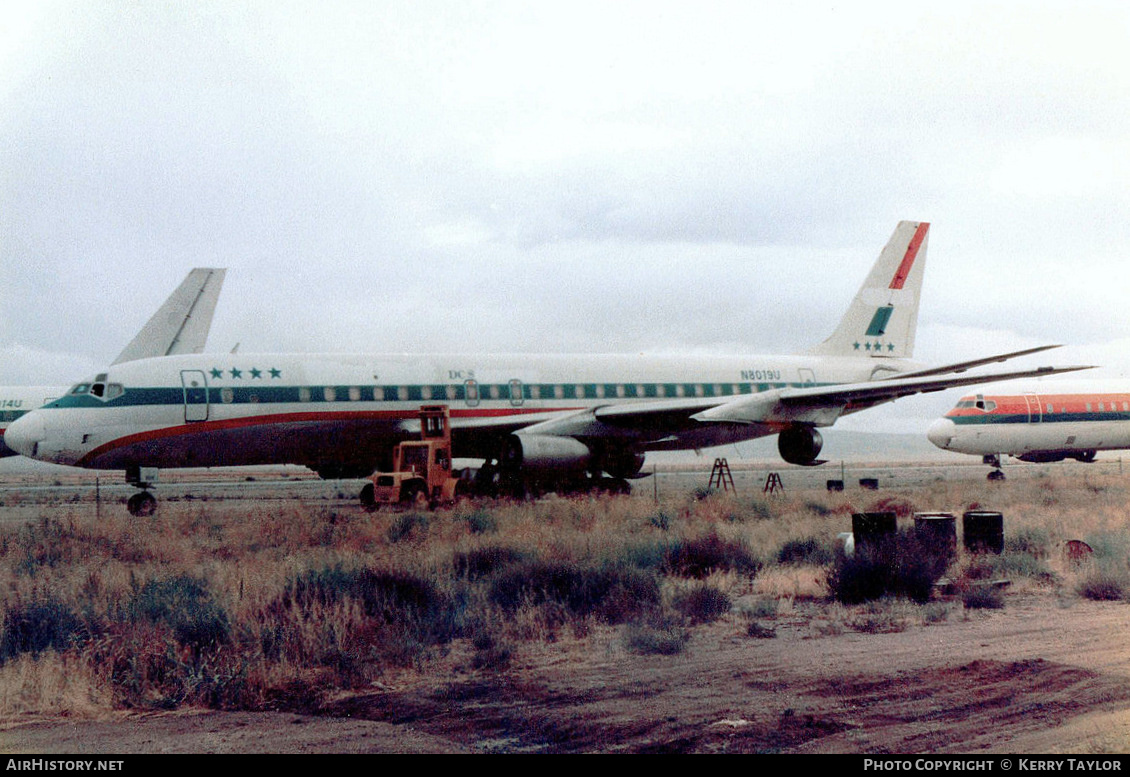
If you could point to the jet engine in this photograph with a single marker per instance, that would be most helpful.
(622, 462)
(1043, 457)
(543, 453)
(1046, 457)
(800, 445)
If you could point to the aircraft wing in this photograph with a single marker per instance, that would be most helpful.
(654, 421)
(660, 416)
(947, 369)
(822, 405)
(181, 325)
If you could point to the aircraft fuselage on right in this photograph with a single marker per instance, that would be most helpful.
(1045, 422)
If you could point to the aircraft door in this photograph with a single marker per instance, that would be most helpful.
(517, 395)
(1035, 412)
(807, 376)
(195, 395)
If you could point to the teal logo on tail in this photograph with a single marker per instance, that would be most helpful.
(879, 321)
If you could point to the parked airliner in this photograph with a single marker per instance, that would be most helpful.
(1041, 422)
(531, 418)
(180, 326)
(15, 401)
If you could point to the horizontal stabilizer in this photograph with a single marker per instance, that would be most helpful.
(947, 369)
(822, 405)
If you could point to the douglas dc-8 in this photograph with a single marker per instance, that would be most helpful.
(1038, 423)
(180, 326)
(533, 419)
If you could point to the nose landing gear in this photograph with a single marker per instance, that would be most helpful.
(994, 460)
(143, 504)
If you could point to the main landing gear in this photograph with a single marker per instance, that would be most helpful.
(994, 460)
(143, 504)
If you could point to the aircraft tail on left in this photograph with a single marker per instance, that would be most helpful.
(181, 325)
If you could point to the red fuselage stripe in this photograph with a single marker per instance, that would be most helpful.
(908, 260)
(1012, 404)
(287, 418)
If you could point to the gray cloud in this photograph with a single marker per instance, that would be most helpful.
(566, 178)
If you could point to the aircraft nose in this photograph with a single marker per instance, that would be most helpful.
(941, 432)
(25, 434)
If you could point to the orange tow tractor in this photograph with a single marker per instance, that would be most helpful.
(421, 474)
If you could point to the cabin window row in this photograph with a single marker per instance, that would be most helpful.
(1113, 407)
(1103, 407)
(515, 391)
(989, 405)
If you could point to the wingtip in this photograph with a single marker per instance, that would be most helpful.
(1071, 368)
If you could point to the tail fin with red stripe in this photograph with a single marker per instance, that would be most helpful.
(883, 317)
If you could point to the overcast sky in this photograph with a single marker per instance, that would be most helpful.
(562, 177)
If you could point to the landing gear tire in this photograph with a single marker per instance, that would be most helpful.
(513, 486)
(415, 497)
(368, 501)
(142, 504)
(619, 486)
(996, 476)
(464, 492)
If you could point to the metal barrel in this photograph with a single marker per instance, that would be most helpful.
(936, 534)
(983, 531)
(876, 535)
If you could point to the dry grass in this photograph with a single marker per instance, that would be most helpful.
(218, 605)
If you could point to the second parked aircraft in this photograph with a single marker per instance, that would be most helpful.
(1042, 422)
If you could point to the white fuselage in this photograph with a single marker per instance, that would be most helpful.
(238, 409)
(1042, 422)
(16, 401)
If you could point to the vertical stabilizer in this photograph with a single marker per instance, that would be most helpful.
(181, 325)
(883, 317)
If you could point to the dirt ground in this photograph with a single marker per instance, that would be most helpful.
(1041, 675)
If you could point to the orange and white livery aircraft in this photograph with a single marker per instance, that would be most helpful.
(1043, 422)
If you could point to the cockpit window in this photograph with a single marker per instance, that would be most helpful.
(987, 405)
(99, 388)
(979, 402)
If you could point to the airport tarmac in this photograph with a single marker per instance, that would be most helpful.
(23, 488)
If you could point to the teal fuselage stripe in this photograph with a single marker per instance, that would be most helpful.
(438, 393)
(1047, 418)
